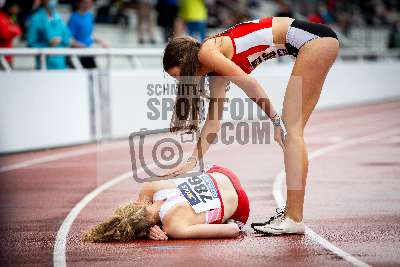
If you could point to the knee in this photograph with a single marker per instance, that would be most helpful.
(332, 48)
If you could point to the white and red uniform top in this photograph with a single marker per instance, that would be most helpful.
(253, 43)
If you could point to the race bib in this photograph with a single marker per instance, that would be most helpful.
(199, 191)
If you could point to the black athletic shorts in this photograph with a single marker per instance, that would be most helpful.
(301, 32)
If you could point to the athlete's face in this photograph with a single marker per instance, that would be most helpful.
(174, 72)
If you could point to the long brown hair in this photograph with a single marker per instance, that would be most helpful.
(128, 222)
(189, 104)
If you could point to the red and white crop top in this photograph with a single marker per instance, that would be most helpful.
(253, 43)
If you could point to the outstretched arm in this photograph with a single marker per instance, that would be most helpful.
(211, 126)
(203, 231)
(212, 58)
(214, 116)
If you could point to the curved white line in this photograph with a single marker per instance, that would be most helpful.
(60, 246)
(59, 252)
(280, 199)
(59, 257)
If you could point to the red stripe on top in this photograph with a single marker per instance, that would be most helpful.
(240, 30)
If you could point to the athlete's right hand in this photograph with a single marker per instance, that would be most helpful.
(182, 168)
(156, 233)
(279, 136)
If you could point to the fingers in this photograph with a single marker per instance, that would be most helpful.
(156, 237)
(282, 145)
(181, 169)
(279, 140)
(157, 234)
(169, 173)
(160, 232)
(176, 173)
(279, 136)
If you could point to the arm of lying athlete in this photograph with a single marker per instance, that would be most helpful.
(202, 231)
(176, 226)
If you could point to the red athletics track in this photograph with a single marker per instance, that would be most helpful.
(352, 200)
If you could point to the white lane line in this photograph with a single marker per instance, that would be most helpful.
(59, 252)
(59, 257)
(60, 246)
(58, 156)
(280, 199)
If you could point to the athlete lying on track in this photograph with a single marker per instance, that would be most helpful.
(211, 205)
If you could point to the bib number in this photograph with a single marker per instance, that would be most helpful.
(200, 192)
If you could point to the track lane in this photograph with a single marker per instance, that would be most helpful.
(72, 178)
(175, 247)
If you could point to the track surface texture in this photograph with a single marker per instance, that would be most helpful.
(352, 200)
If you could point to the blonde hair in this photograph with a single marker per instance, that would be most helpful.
(128, 222)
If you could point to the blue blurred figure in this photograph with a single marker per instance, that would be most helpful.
(47, 29)
(81, 25)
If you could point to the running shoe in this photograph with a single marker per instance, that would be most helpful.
(283, 226)
(279, 224)
(280, 213)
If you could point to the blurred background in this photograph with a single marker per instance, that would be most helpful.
(83, 77)
(361, 25)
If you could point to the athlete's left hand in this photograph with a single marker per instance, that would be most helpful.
(279, 136)
(156, 233)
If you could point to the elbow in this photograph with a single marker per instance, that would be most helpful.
(234, 231)
(248, 83)
(213, 130)
(173, 231)
(175, 234)
(216, 126)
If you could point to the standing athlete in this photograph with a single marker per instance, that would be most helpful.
(230, 57)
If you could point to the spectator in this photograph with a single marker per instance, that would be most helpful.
(284, 10)
(394, 36)
(194, 14)
(145, 20)
(316, 18)
(167, 14)
(80, 25)
(325, 14)
(47, 29)
(26, 9)
(8, 27)
(113, 12)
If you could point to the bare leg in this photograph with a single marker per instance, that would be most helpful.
(309, 72)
